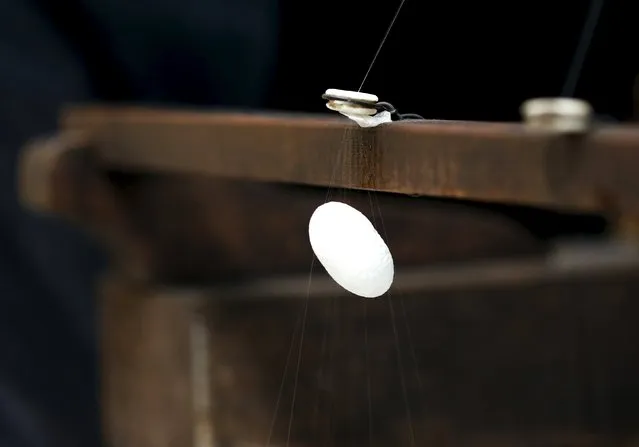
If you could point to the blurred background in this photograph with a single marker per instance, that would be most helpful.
(444, 60)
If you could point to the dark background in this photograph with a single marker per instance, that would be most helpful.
(454, 59)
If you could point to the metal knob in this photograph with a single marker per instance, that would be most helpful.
(564, 115)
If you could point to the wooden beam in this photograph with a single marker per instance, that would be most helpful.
(492, 162)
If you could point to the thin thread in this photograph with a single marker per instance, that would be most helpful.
(411, 346)
(280, 393)
(335, 316)
(400, 367)
(368, 377)
(320, 374)
(299, 356)
(588, 31)
(379, 49)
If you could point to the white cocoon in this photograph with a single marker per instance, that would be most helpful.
(351, 250)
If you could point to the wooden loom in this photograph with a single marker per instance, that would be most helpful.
(504, 339)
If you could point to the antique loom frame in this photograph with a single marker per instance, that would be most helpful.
(139, 179)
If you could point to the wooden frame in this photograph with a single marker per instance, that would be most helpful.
(478, 161)
(171, 193)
